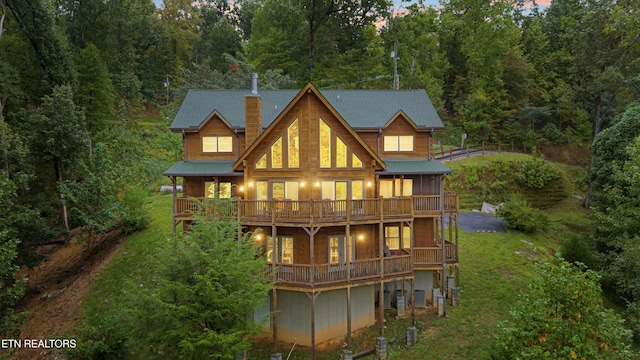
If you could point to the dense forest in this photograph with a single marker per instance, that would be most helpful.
(78, 78)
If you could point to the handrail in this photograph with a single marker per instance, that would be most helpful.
(305, 211)
(433, 255)
(337, 273)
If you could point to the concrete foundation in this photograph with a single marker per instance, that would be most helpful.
(424, 281)
(294, 314)
(381, 348)
(412, 335)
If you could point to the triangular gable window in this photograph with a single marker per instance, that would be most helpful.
(262, 162)
(355, 161)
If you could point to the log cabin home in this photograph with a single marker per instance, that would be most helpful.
(339, 187)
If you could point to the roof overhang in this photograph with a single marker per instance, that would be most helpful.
(413, 167)
(203, 168)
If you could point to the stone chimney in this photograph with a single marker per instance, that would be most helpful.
(252, 113)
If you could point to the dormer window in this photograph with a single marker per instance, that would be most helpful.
(217, 144)
(398, 143)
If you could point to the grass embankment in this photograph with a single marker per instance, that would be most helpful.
(489, 178)
(494, 267)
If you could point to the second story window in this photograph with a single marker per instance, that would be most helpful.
(395, 187)
(293, 137)
(325, 145)
(341, 153)
(398, 143)
(221, 190)
(216, 144)
(276, 154)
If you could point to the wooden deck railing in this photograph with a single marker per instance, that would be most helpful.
(430, 204)
(323, 274)
(186, 207)
(309, 211)
(433, 255)
(397, 264)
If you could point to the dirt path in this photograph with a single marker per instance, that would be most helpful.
(56, 290)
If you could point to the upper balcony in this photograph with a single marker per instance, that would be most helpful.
(318, 212)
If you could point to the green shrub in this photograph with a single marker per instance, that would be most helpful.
(136, 217)
(562, 316)
(519, 215)
(552, 134)
(535, 173)
(106, 339)
(575, 249)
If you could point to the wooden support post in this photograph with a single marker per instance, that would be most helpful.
(274, 318)
(274, 295)
(381, 302)
(175, 200)
(349, 315)
(381, 254)
(349, 247)
(413, 302)
(442, 242)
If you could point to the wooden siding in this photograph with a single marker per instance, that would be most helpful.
(308, 111)
(424, 230)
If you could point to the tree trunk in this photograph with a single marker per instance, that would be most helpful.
(312, 49)
(63, 203)
(597, 128)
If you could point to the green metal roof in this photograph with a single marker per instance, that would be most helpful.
(413, 167)
(202, 168)
(361, 109)
(224, 168)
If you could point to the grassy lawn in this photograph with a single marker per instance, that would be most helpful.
(494, 267)
(133, 266)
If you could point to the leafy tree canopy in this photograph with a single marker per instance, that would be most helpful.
(562, 316)
(209, 283)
